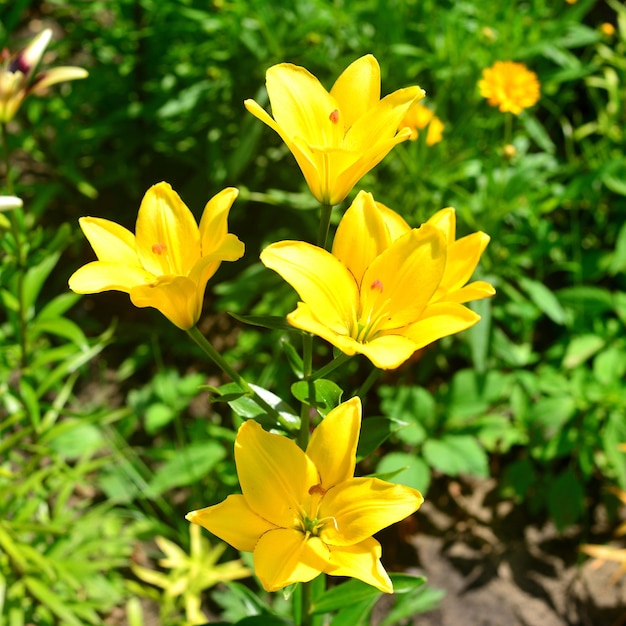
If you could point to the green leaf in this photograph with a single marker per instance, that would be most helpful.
(158, 415)
(550, 414)
(186, 467)
(609, 366)
(274, 322)
(264, 620)
(58, 306)
(374, 431)
(618, 258)
(351, 592)
(355, 614)
(48, 598)
(422, 600)
(456, 454)
(414, 472)
(544, 299)
(566, 499)
(478, 335)
(74, 438)
(61, 327)
(322, 394)
(580, 349)
(35, 278)
(410, 404)
(517, 478)
(247, 408)
(614, 434)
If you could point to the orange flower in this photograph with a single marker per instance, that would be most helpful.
(509, 86)
(420, 117)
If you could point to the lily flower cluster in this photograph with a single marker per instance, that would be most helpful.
(18, 78)
(385, 290)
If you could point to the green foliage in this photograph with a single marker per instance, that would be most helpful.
(101, 449)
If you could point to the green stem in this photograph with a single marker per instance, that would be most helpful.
(508, 128)
(325, 214)
(202, 342)
(372, 377)
(306, 619)
(338, 361)
(7, 159)
(307, 367)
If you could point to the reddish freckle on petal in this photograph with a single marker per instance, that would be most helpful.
(334, 116)
(317, 489)
(377, 285)
(159, 248)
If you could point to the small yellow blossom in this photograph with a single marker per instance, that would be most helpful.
(510, 86)
(607, 29)
(338, 136)
(17, 78)
(304, 513)
(385, 290)
(420, 117)
(167, 264)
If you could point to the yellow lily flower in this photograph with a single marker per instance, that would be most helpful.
(304, 513)
(167, 264)
(335, 137)
(16, 75)
(386, 290)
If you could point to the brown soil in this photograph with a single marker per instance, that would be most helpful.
(500, 568)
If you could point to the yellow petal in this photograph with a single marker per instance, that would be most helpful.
(321, 280)
(445, 221)
(440, 320)
(274, 473)
(477, 290)
(168, 239)
(361, 561)
(388, 351)
(362, 507)
(333, 171)
(233, 521)
(305, 319)
(229, 249)
(380, 123)
(214, 221)
(463, 257)
(110, 241)
(369, 155)
(177, 297)
(283, 557)
(358, 88)
(56, 75)
(361, 236)
(101, 276)
(396, 224)
(301, 106)
(399, 282)
(332, 447)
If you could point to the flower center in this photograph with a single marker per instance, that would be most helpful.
(309, 523)
(159, 248)
(334, 116)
